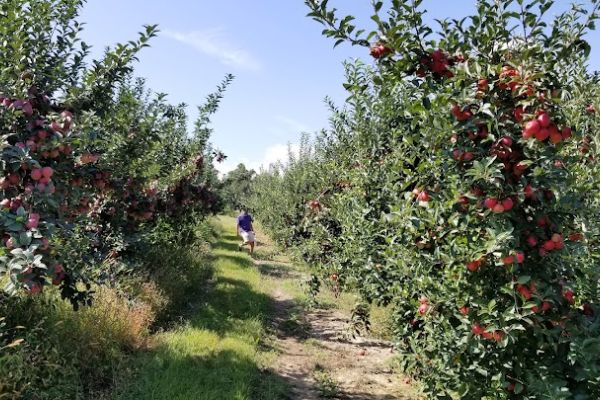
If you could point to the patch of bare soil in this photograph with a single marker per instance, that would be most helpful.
(321, 360)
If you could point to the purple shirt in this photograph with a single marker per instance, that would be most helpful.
(245, 222)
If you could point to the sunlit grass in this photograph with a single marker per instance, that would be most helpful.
(220, 352)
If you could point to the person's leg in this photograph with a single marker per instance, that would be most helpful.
(251, 247)
(244, 236)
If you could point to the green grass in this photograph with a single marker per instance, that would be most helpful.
(221, 352)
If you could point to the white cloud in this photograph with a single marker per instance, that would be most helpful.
(214, 43)
(277, 153)
(272, 155)
(292, 124)
(284, 127)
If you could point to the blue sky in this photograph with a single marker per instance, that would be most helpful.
(284, 68)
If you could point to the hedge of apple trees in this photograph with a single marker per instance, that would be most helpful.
(459, 183)
(90, 158)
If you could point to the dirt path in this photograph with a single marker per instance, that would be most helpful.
(317, 356)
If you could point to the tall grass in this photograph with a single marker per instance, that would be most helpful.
(48, 351)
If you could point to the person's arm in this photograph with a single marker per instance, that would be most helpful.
(251, 224)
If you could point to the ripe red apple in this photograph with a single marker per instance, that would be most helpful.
(36, 174)
(546, 306)
(507, 204)
(575, 237)
(468, 156)
(379, 50)
(506, 141)
(464, 310)
(544, 120)
(520, 256)
(532, 241)
(542, 134)
(566, 132)
(518, 113)
(473, 265)
(529, 191)
(423, 308)
(477, 329)
(508, 260)
(549, 245)
(490, 202)
(591, 109)
(334, 277)
(483, 85)
(498, 209)
(423, 196)
(524, 291)
(532, 128)
(569, 296)
(33, 221)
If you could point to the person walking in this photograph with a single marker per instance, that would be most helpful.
(246, 230)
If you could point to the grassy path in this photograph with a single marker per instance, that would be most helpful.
(250, 336)
(219, 354)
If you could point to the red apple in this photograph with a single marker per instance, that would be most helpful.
(506, 141)
(569, 296)
(423, 196)
(490, 202)
(520, 256)
(473, 265)
(542, 134)
(531, 129)
(529, 191)
(482, 85)
(549, 245)
(507, 204)
(36, 174)
(544, 120)
(546, 306)
(498, 208)
(518, 114)
(477, 329)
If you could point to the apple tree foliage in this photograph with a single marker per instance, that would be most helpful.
(459, 184)
(91, 160)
